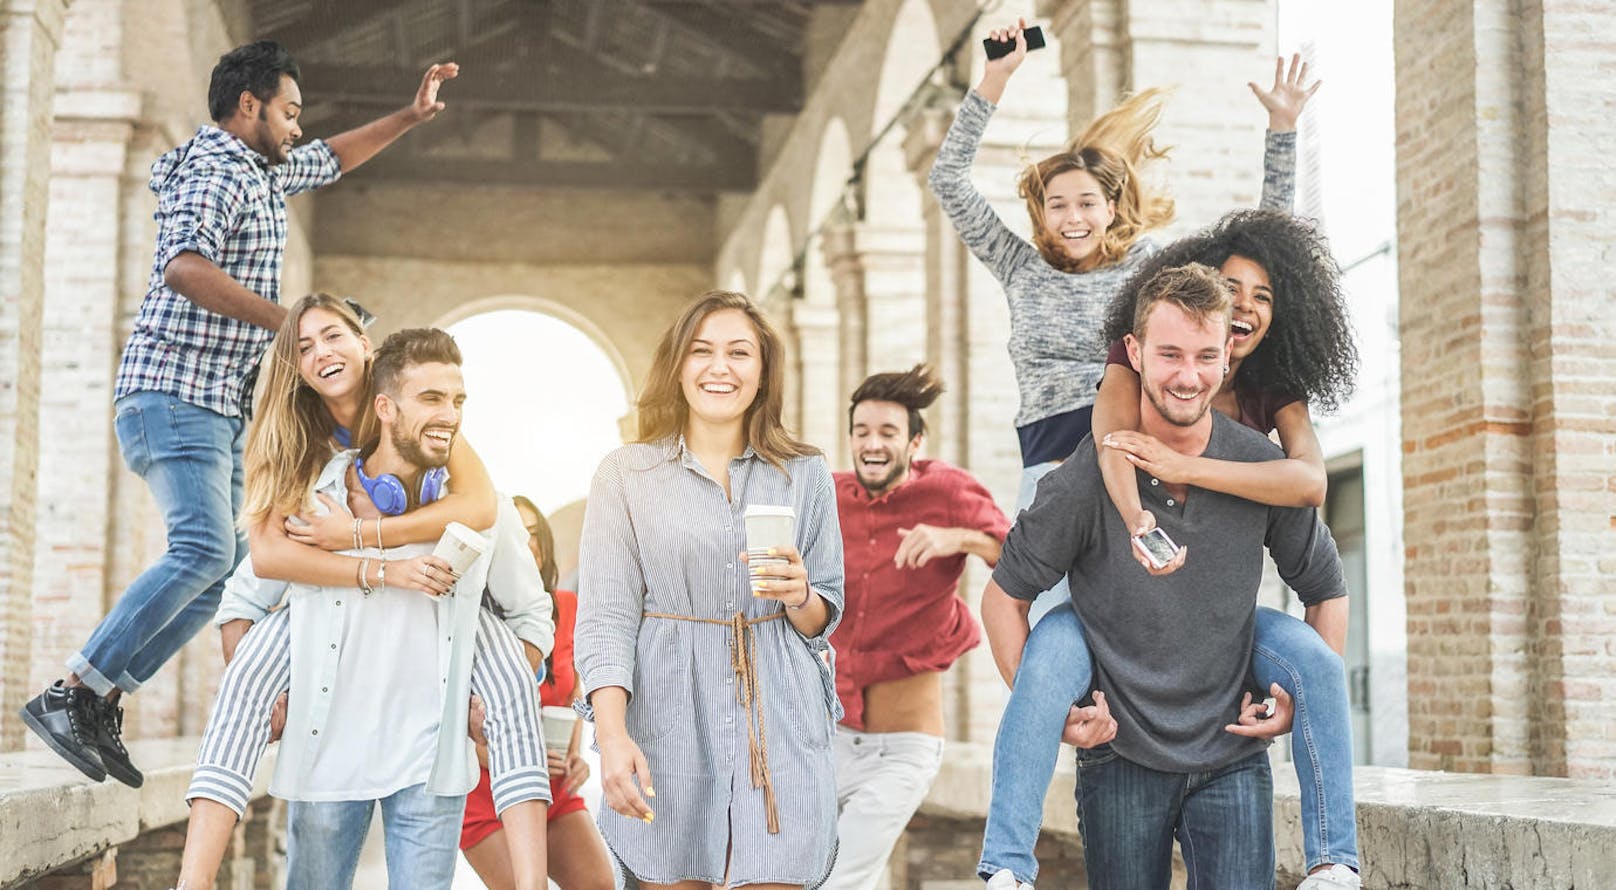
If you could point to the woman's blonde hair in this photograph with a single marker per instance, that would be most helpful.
(288, 441)
(662, 406)
(1114, 148)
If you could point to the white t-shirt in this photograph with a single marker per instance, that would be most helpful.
(383, 725)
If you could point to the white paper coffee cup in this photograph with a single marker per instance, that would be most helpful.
(557, 727)
(769, 527)
(460, 547)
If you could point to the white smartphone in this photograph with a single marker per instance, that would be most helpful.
(1156, 546)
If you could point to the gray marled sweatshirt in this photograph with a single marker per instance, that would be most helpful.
(1055, 317)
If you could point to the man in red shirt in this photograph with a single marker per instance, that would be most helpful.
(907, 527)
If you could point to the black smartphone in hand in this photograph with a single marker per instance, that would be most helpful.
(998, 49)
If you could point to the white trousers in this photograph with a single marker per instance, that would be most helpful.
(881, 779)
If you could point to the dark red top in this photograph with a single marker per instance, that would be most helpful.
(1258, 408)
(901, 622)
(556, 690)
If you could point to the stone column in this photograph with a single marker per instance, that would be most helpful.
(1508, 349)
(1109, 48)
(846, 268)
(30, 31)
(822, 418)
(83, 240)
(944, 258)
(891, 246)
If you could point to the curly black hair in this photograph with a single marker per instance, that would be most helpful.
(1309, 350)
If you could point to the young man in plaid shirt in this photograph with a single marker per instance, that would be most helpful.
(211, 309)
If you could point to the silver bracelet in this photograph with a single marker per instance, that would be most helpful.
(364, 581)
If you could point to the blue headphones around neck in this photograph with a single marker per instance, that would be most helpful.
(388, 493)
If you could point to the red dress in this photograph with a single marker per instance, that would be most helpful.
(556, 690)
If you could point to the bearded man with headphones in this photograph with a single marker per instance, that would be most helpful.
(380, 675)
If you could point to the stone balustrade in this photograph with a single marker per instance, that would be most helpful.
(60, 831)
(1415, 829)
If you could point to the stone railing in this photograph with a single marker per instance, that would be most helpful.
(60, 831)
(1415, 829)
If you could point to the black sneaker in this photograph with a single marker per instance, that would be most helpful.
(63, 717)
(107, 731)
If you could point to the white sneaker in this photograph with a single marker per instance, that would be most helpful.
(1336, 877)
(1005, 879)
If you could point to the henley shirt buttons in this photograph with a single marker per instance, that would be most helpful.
(339, 602)
(1155, 482)
(333, 645)
(1169, 502)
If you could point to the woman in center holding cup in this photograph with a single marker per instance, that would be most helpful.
(709, 679)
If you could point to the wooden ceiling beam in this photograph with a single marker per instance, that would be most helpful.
(606, 175)
(533, 90)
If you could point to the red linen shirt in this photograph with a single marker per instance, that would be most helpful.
(901, 622)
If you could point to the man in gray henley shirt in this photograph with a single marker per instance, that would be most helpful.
(1170, 651)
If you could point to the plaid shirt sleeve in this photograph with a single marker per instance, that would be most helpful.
(309, 167)
(200, 213)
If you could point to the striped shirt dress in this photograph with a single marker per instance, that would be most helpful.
(663, 603)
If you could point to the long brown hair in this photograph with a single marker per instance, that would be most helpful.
(287, 443)
(1112, 149)
(662, 406)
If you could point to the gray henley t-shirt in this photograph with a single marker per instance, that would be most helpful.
(1171, 653)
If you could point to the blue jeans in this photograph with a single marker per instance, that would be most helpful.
(323, 840)
(1061, 593)
(1129, 815)
(190, 457)
(1056, 671)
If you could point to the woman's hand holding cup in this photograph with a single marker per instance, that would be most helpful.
(782, 577)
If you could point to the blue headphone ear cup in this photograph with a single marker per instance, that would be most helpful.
(387, 493)
(432, 484)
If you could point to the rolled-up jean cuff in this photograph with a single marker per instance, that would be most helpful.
(520, 786)
(94, 679)
(221, 786)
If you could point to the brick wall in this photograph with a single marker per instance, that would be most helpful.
(1570, 339)
(29, 32)
(1503, 222)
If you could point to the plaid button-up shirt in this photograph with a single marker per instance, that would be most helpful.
(220, 199)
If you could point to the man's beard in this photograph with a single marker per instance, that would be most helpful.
(895, 471)
(1160, 400)
(269, 147)
(411, 451)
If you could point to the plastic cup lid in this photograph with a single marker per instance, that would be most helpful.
(770, 510)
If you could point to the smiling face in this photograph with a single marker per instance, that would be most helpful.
(1180, 362)
(722, 368)
(881, 445)
(1253, 304)
(330, 355)
(1076, 214)
(423, 417)
(275, 129)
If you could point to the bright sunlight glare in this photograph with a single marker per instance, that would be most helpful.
(542, 403)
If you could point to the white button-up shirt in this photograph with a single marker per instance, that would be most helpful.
(319, 614)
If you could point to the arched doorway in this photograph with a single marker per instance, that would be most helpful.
(547, 397)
